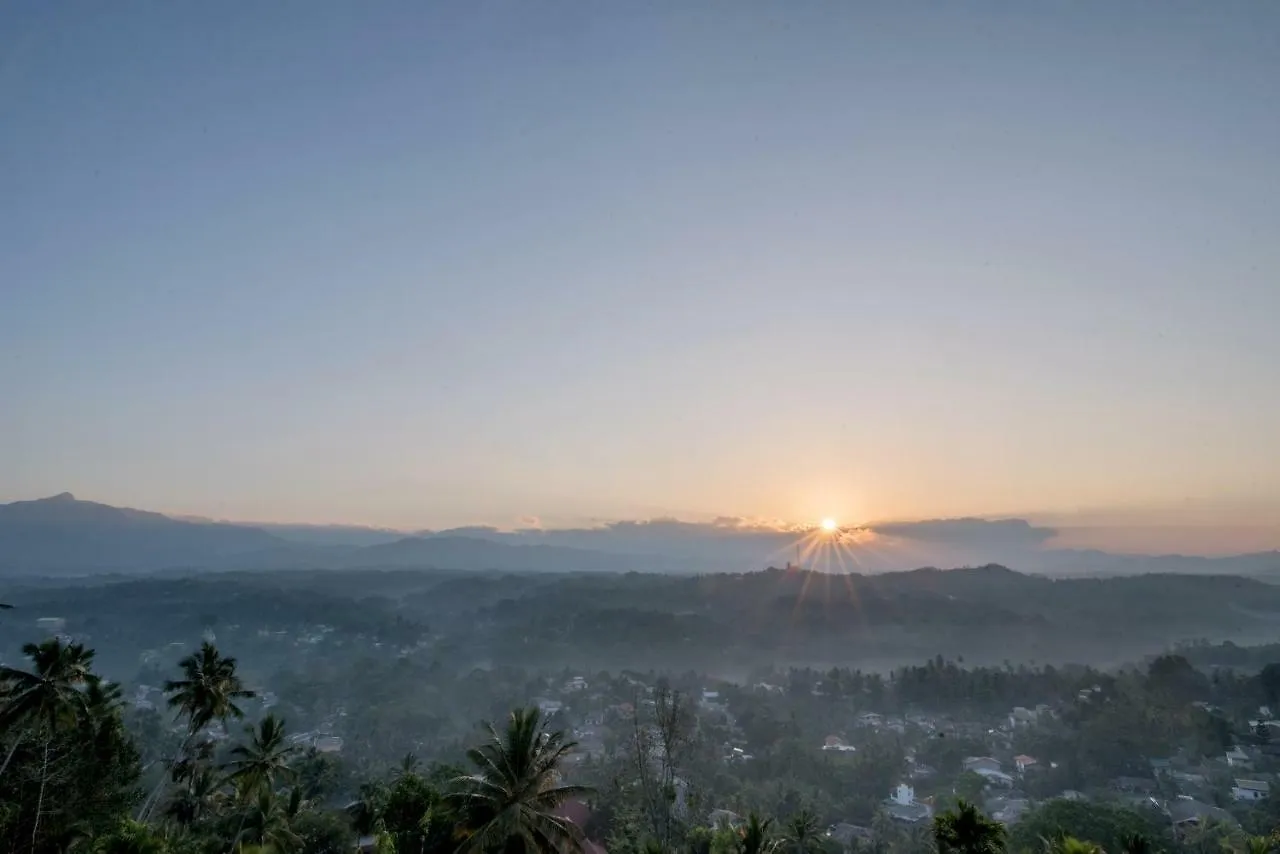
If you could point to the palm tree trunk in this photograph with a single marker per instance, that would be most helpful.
(44, 776)
(12, 750)
(149, 804)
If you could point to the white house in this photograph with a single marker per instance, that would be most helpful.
(1250, 790)
(904, 795)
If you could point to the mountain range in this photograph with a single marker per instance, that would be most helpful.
(63, 535)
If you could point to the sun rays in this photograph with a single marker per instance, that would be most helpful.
(827, 551)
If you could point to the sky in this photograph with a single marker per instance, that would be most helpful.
(425, 265)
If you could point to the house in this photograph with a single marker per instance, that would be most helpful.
(1188, 778)
(998, 778)
(1250, 790)
(1186, 812)
(575, 684)
(909, 813)
(847, 834)
(902, 806)
(328, 743)
(549, 707)
(1023, 762)
(981, 763)
(1022, 716)
(835, 744)
(870, 719)
(1237, 758)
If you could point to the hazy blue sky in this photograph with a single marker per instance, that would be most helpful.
(427, 264)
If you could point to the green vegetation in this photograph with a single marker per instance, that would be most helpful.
(350, 717)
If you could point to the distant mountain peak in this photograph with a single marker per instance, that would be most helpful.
(60, 498)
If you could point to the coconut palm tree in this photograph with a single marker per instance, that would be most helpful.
(131, 837)
(193, 801)
(803, 834)
(754, 838)
(409, 764)
(964, 830)
(208, 690)
(1071, 845)
(1136, 843)
(265, 758)
(265, 825)
(366, 812)
(509, 803)
(1258, 845)
(49, 695)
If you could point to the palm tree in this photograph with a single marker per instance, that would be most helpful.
(509, 803)
(964, 830)
(193, 801)
(1259, 845)
(366, 811)
(754, 838)
(207, 692)
(1136, 843)
(257, 764)
(802, 833)
(131, 837)
(408, 765)
(265, 825)
(49, 695)
(209, 689)
(1071, 845)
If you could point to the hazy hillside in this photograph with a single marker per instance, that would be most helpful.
(66, 536)
(62, 534)
(448, 552)
(720, 621)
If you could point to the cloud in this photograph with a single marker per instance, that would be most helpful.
(970, 532)
(733, 543)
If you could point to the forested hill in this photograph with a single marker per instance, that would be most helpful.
(726, 623)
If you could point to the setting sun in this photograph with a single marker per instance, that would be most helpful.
(829, 525)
